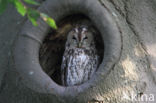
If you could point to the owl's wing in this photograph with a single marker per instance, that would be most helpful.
(63, 70)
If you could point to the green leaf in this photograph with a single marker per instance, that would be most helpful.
(49, 20)
(32, 2)
(33, 21)
(3, 5)
(51, 23)
(33, 15)
(20, 7)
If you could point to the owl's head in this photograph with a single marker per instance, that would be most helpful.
(80, 37)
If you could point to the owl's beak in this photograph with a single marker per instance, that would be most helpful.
(79, 45)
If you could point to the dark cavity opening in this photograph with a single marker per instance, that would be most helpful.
(52, 49)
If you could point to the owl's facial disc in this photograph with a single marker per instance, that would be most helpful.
(80, 37)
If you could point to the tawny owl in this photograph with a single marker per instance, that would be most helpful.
(80, 59)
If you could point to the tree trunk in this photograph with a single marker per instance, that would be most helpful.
(132, 79)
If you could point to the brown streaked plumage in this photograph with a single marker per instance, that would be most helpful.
(80, 59)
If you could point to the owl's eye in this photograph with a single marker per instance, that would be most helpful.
(74, 38)
(85, 38)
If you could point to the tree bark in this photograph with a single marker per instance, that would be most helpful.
(132, 79)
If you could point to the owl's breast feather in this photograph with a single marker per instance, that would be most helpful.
(80, 65)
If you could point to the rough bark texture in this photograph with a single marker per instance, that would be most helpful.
(133, 74)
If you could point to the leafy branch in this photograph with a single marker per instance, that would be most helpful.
(31, 13)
